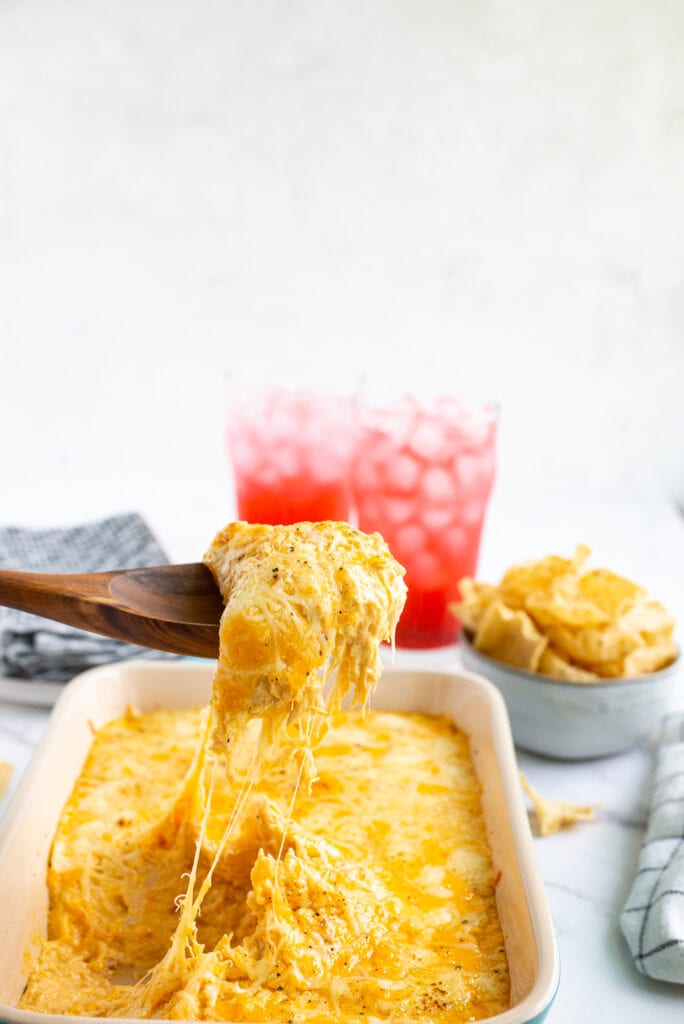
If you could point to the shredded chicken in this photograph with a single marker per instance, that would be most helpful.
(304, 603)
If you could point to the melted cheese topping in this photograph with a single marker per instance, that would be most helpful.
(304, 604)
(378, 899)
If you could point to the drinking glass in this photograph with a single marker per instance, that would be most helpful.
(290, 444)
(422, 477)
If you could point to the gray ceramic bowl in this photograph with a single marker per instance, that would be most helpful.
(570, 721)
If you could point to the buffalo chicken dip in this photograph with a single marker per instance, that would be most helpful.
(277, 857)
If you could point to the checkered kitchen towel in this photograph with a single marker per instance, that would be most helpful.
(653, 918)
(35, 648)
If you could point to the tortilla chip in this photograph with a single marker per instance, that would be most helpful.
(510, 636)
(565, 621)
(651, 620)
(475, 599)
(609, 591)
(563, 605)
(552, 815)
(522, 580)
(593, 646)
(552, 663)
(649, 659)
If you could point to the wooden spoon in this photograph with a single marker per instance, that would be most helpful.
(169, 607)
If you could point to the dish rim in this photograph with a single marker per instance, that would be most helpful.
(534, 1005)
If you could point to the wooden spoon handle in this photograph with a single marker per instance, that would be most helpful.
(100, 603)
(53, 594)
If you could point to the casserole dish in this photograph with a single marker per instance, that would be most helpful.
(103, 694)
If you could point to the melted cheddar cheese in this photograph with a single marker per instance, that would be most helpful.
(375, 901)
(305, 604)
(358, 884)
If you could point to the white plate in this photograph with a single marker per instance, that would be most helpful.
(102, 694)
(29, 692)
(34, 693)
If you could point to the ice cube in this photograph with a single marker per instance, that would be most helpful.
(266, 476)
(408, 541)
(365, 477)
(438, 487)
(383, 455)
(377, 450)
(323, 466)
(453, 543)
(283, 424)
(403, 473)
(475, 428)
(242, 453)
(399, 510)
(448, 409)
(396, 421)
(436, 519)
(287, 461)
(429, 441)
(471, 512)
(468, 469)
(425, 570)
(341, 445)
(370, 513)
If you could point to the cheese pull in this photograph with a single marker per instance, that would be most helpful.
(303, 604)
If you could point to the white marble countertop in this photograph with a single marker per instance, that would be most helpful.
(587, 869)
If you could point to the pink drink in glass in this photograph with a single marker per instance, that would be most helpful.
(291, 453)
(422, 478)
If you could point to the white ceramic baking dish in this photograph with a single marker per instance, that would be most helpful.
(102, 694)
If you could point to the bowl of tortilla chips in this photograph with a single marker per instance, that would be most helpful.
(584, 658)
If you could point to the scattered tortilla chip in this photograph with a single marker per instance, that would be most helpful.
(6, 770)
(554, 664)
(510, 636)
(553, 815)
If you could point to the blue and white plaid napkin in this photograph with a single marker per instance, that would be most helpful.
(35, 648)
(653, 917)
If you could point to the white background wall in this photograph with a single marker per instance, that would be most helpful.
(490, 191)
